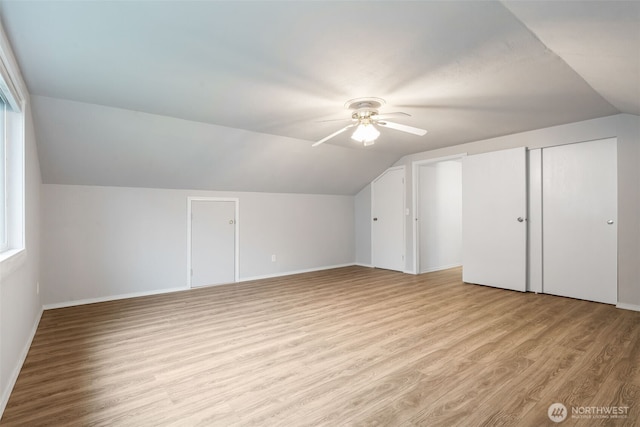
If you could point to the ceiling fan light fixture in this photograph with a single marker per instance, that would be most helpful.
(365, 133)
(364, 116)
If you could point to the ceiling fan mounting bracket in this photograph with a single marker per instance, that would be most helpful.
(369, 103)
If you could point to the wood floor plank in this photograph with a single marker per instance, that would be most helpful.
(350, 346)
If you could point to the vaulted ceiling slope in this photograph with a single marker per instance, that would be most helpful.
(229, 95)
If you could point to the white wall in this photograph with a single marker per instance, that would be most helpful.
(20, 306)
(103, 242)
(440, 215)
(626, 128)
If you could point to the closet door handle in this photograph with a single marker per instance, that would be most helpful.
(520, 219)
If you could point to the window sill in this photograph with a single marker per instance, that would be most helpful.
(11, 260)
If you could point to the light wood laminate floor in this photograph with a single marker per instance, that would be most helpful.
(350, 346)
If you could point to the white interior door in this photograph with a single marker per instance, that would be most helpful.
(494, 227)
(580, 220)
(387, 230)
(213, 241)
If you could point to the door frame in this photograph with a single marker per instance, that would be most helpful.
(236, 256)
(415, 165)
(404, 208)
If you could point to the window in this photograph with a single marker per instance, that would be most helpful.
(12, 167)
(3, 177)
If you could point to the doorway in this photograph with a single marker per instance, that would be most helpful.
(438, 214)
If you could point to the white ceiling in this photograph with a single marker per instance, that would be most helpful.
(240, 87)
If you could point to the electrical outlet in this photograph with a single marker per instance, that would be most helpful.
(273, 258)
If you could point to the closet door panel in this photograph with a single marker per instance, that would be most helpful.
(494, 227)
(580, 220)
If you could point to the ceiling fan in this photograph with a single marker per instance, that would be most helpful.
(365, 118)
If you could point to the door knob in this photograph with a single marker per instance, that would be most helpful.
(375, 219)
(231, 221)
(520, 219)
(610, 222)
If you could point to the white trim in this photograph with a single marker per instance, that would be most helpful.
(289, 273)
(414, 199)
(11, 260)
(171, 290)
(6, 393)
(11, 74)
(360, 264)
(441, 267)
(439, 159)
(14, 89)
(111, 298)
(535, 221)
(625, 306)
(404, 208)
(190, 199)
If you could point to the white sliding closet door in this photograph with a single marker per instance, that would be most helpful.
(387, 230)
(580, 220)
(494, 227)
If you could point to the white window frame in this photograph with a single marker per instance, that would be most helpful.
(4, 240)
(13, 156)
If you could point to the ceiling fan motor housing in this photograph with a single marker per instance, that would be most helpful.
(364, 108)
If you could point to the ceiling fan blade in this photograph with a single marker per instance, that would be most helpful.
(403, 128)
(394, 114)
(346, 119)
(315, 144)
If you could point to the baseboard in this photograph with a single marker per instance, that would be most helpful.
(289, 273)
(442, 267)
(16, 371)
(111, 298)
(359, 264)
(166, 291)
(626, 306)
(243, 279)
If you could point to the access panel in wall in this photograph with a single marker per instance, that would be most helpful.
(212, 238)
